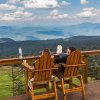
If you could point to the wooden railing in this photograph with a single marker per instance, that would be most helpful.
(17, 60)
(91, 52)
(32, 58)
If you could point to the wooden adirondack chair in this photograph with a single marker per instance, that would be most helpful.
(71, 71)
(43, 71)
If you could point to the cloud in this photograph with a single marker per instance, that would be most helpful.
(64, 3)
(63, 16)
(83, 2)
(91, 15)
(13, 1)
(7, 7)
(85, 14)
(16, 16)
(20, 8)
(18, 13)
(6, 17)
(21, 14)
(89, 12)
(54, 14)
(88, 9)
(40, 3)
(97, 12)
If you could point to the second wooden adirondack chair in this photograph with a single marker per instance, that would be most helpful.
(72, 66)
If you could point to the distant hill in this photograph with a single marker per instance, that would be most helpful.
(37, 33)
(3, 40)
(29, 47)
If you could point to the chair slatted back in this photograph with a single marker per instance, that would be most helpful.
(43, 68)
(73, 64)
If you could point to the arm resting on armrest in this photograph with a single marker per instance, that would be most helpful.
(25, 64)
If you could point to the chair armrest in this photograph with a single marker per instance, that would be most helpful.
(76, 65)
(64, 65)
(25, 64)
(82, 62)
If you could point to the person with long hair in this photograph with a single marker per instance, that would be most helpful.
(62, 58)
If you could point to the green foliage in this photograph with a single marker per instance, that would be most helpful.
(18, 80)
(5, 82)
(11, 81)
(94, 72)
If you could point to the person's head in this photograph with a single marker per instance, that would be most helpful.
(70, 50)
(46, 51)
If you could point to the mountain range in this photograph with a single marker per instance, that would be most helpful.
(53, 32)
(9, 48)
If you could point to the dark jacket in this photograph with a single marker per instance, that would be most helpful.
(62, 58)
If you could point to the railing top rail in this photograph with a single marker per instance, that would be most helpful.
(30, 58)
(91, 52)
(17, 60)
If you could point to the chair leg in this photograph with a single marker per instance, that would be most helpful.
(47, 87)
(62, 84)
(70, 81)
(55, 90)
(27, 91)
(82, 84)
(32, 93)
(26, 78)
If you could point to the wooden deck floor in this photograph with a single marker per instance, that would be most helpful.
(92, 93)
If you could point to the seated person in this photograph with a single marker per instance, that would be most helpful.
(33, 66)
(62, 58)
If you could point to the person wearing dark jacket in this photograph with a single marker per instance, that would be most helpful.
(62, 58)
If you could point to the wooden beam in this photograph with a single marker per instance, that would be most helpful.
(31, 58)
(91, 52)
(17, 60)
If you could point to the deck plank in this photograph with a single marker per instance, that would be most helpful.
(92, 93)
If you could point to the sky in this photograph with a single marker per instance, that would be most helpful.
(48, 12)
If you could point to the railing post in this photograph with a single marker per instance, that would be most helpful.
(85, 72)
(28, 75)
(26, 78)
